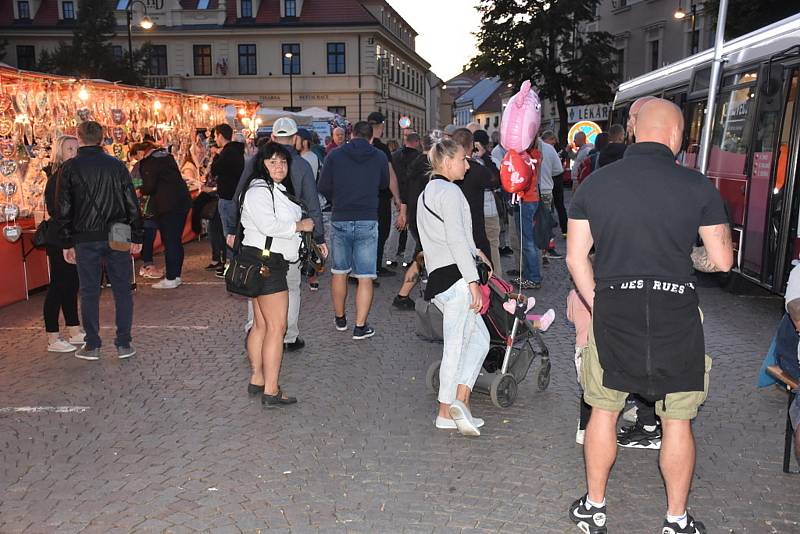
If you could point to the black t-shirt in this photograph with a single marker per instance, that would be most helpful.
(644, 212)
(384, 194)
(475, 182)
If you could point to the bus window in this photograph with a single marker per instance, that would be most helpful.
(731, 135)
(692, 132)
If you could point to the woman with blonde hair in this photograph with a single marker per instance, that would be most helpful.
(62, 293)
(444, 223)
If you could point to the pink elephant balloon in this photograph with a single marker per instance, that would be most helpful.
(521, 119)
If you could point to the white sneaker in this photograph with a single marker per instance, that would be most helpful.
(61, 346)
(167, 284)
(448, 424)
(463, 419)
(79, 339)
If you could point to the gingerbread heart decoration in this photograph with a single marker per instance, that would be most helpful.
(118, 116)
(11, 211)
(22, 102)
(7, 168)
(118, 134)
(12, 233)
(6, 148)
(84, 114)
(5, 103)
(6, 125)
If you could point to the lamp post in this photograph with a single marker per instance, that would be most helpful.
(146, 23)
(289, 56)
(680, 14)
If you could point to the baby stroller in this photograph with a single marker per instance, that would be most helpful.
(514, 346)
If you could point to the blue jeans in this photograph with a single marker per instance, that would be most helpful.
(171, 227)
(530, 254)
(90, 258)
(227, 214)
(354, 247)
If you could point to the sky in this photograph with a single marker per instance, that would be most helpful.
(445, 30)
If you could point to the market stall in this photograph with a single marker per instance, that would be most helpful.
(36, 108)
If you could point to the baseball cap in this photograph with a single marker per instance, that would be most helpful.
(284, 127)
(376, 117)
(480, 136)
(304, 134)
(450, 129)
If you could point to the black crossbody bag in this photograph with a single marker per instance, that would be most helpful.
(484, 270)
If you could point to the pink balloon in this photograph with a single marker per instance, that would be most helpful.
(521, 119)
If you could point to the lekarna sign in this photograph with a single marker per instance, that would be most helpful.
(405, 122)
(588, 112)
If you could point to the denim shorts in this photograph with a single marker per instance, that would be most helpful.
(354, 248)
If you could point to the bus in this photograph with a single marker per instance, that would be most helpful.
(755, 145)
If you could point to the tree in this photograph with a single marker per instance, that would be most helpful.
(541, 41)
(90, 55)
(745, 16)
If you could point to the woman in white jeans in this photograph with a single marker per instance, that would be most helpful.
(445, 229)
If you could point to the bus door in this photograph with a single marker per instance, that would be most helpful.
(771, 229)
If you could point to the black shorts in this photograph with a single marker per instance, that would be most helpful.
(649, 337)
(412, 229)
(278, 267)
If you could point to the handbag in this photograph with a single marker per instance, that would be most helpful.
(40, 236)
(246, 272)
(484, 271)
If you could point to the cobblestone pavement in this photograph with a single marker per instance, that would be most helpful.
(169, 441)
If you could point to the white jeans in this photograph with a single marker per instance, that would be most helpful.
(466, 341)
(293, 280)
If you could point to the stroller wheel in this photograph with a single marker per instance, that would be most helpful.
(543, 378)
(432, 378)
(503, 390)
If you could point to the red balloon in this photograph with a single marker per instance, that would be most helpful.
(516, 172)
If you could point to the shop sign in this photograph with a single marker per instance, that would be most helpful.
(588, 112)
(404, 122)
(590, 128)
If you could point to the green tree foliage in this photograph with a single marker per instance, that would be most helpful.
(541, 41)
(745, 16)
(90, 54)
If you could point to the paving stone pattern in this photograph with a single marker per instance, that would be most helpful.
(171, 442)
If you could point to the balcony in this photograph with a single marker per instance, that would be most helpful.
(165, 82)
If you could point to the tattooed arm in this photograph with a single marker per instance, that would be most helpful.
(717, 253)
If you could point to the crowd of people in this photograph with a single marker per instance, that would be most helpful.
(287, 203)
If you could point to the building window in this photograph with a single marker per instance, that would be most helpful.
(23, 10)
(619, 63)
(292, 63)
(202, 60)
(26, 57)
(68, 10)
(247, 9)
(336, 63)
(158, 60)
(654, 55)
(290, 8)
(247, 59)
(116, 51)
(338, 110)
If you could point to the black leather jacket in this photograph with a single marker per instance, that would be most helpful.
(94, 191)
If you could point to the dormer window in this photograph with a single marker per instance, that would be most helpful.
(290, 8)
(68, 10)
(246, 9)
(23, 10)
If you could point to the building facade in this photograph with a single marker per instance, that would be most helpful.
(350, 57)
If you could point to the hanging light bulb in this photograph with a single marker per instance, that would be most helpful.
(157, 105)
(259, 121)
(83, 94)
(204, 106)
(242, 111)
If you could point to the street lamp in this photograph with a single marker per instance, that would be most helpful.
(146, 24)
(680, 14)
(289, 56)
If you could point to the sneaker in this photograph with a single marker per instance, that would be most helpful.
(341, 323)
(589, 520)
(125, 352)
(444, 423)
(692, 527)
(463, 419)
(88, 354)
(151, 271)
(78, 339)
(60, 346)
(167, 284)
(390, 263)
(403, 303)
(554, 255)
(214, 266)
(363, 332)
(296, 345)
(383, 272)
(220, 272)
(506, 251)
(636, 437)
(313, 286)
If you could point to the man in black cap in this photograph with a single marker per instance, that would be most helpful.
(385, 197)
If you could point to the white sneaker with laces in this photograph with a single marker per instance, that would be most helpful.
(61, 346)
(167, 284)
(448, 424)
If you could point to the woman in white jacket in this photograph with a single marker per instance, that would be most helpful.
(445, 229)
(272, 222)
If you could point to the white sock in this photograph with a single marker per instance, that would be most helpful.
(590, 504)
(649, 428)
(682, 520)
